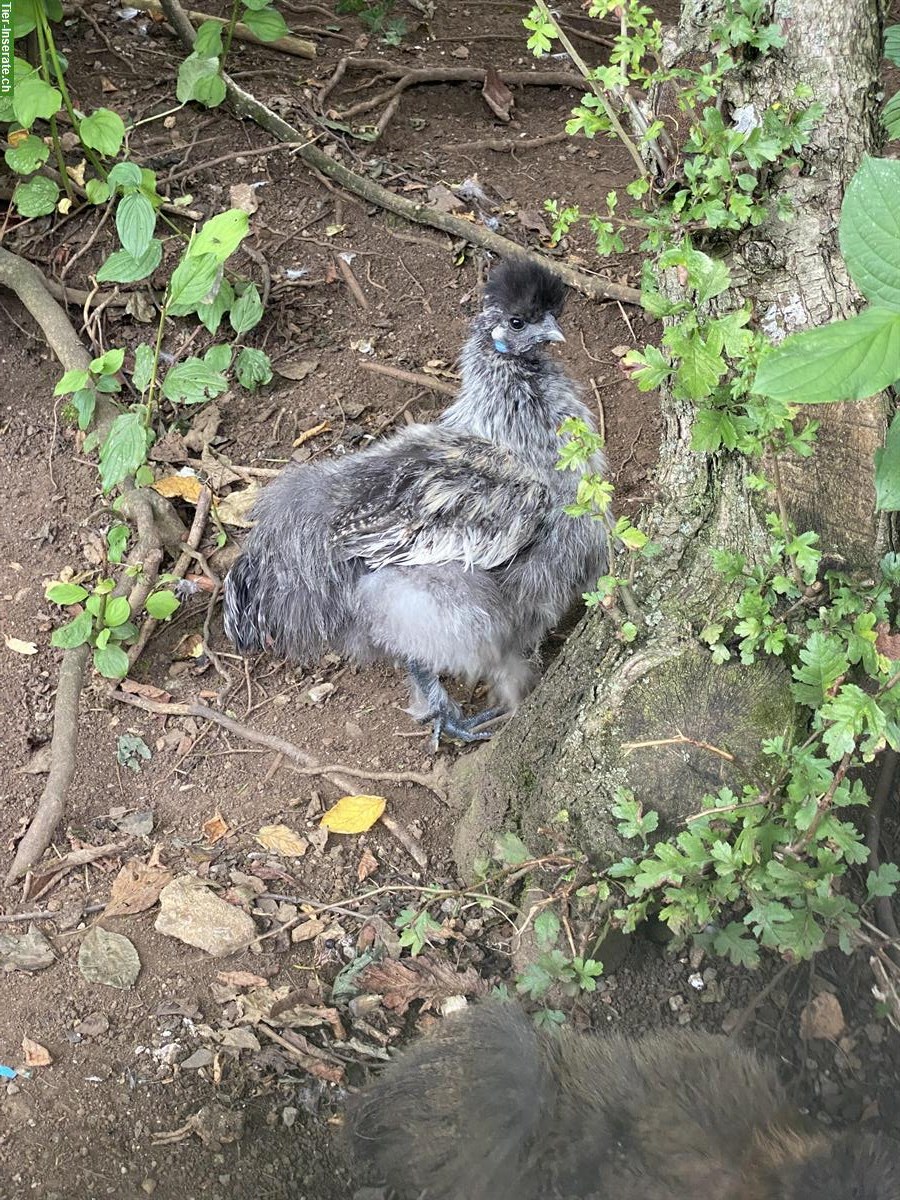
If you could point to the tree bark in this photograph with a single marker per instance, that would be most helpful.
(562, 756)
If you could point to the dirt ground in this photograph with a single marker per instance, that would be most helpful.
(130, 1065)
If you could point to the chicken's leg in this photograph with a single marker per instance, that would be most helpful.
(445, 713)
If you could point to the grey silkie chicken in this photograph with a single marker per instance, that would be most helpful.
(445, 547)
(487, 1108)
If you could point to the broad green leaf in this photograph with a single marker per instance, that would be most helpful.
(117, 612)
(211, 314)
(84, 401)
(27, 156)
(76, 633)
(823, 663)
(116, 541)
(218, 357)
(108, 363)
(111, 662)
(510, 850)
(253, 368)
(546, 928)
(72, 381)
(66, 593)
(122, 267)
(870, 231)
(221, 235)
(124, 449)
(890, 116)
(208, 42)
(143, 367)
(883, 882)
(97, 191)
(104, 131)
(124, 174)
(36, 197)
(887, 470)
(34, 100)
(192, 282)
(135, 222)
(199, 79)
(268, 24)
(892, 44)
(734, 942)
(192, 382)
(247, 310)
(846, 360)
(162, 604)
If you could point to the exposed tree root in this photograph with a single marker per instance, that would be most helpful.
(246, 105)
(341, 776)
(299, 47)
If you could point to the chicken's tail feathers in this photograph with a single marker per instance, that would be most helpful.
(244, 625)
(456, 1114)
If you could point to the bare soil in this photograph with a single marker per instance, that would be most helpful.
(88, 1126)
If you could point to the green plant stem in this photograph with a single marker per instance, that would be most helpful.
(60, 160)
(595, 87)
(785, 519)
(45, 35)
(157, 351)
(229, 34)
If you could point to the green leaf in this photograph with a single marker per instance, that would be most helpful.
(208, 43)
(66, 593)
(135, 222)
(511, 850)
(218, 357)
(211, 314)
(546, 928)
(117, 612)
(104, 131)
(143, 367)
(870, 231)
(27, 156)
(199, 79)
(887, 470)
(221, 235)
(116, 541)
(253, 368)
(846, 360)
(124, 175)
(84, 402)
(268, 24)
(734, 942)
(247, 310)
(37, 197)
(72, 381)
(76, 633)
(892, 44)
(883, 882)
(824, 662)
(192, 282)
(162, 604)
(34, 100)
(97, 191)
(111, 662)
(192, 382)
(701, 366)
(108, 363)
(890, 116)
(130, 750)
(122, 267)
(124, 449)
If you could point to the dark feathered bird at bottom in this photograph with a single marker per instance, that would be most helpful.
(487, 1108)
(446, 547)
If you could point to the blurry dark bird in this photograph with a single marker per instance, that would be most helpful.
(487, 1108)
(444, 548)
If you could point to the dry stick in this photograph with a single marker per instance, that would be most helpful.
(505, 145)
(73, 860)
(351, 281)
(425, 381)
(299, 47)
(339, 775)
(247, 105)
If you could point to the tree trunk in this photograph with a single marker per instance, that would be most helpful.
(564, 753)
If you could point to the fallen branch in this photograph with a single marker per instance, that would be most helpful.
(289, 44)
(341, 776)
(420, 380)
(505, 145)
(351, 281)
(246, 105)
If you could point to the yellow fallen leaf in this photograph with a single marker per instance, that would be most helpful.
(282, 840)
(354, 814)
(185, 487)
(309, 434)
(19, 646)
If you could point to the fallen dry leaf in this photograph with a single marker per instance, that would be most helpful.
(20, 647)
(215, 828)
(235, 508)
(822, 1018)
(887, 643)
(136, 888)
(184, 487)
(459, 52)
(400, 983)
(241, 979)
(309, 434)
(354, 814)
(308, 930)
(147, 690)
(107, 85)
(367, 865)
(36, 1055)
(497, 95)
(15, 137)
(443, 200)
(282, 840)
(108, 958)
(297, 370)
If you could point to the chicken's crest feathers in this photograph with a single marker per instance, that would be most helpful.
(525, 289)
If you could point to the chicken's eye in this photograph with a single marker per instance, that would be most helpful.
(516, 323)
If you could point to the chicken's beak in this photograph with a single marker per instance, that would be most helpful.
(551, 330)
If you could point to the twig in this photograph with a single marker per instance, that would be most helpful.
(50, 872)
(299, 47)
(680, 740)
(760, 996)
(43, 914)
(351, 281)
(341, 776)
(195, 168)
(406, 840)
(397, 414)
(504, 145)
(425, 381)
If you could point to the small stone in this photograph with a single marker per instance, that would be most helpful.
(289, 1116)
(148, 1186)
(190, 912)
(200, 1058)
(822, 1018)
(697, 982)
